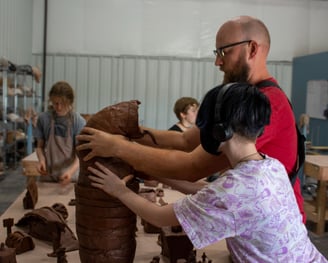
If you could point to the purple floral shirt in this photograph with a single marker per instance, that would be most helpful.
(253, 207)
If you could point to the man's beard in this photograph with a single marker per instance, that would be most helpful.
(239, 74)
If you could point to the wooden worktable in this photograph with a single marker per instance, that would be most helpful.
(316, 166)
(30, 164)
(50, 193)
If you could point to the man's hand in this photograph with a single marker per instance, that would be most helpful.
(99, 143)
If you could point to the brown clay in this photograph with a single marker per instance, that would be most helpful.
(106, 227)
(7, 255)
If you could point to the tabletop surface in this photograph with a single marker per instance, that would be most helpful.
(319, 160)
(318, 147)
(147, 247)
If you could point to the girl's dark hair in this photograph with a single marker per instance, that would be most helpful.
(245, 109)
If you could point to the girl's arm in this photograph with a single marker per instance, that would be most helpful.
(110, 183)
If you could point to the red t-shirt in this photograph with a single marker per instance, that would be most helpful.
(279, 139)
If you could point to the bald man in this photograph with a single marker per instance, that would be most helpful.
(242, 47)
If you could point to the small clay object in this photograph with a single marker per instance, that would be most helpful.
(20, 241)
(7, 255)
(205, 259)
(148, 193)
(151, 183)
(72, 202)
(31, 196)
(175, 245)
(161, 201)
(61, 255)
(192, 256)
(60, 208)
(176, 229)
(155, 259)
(58, 228)
(39, 224)
(17, 240)
(8, 223)
(159, 192)
(150, 228)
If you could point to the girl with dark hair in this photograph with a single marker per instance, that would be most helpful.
(251, 205)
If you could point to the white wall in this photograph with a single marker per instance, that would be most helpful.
(175, 27)
(16, 30)
(151, 50)
(158, 50)
(156, 82)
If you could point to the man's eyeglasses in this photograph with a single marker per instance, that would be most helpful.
(220, 51)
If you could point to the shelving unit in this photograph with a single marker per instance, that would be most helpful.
(20, 102)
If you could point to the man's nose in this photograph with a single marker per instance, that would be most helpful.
(218, 61)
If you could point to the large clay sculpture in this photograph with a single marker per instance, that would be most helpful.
(106, 227)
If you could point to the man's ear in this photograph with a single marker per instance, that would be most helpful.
(253, 46)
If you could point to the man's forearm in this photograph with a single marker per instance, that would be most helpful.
(172, 164)
(156, 162)
(170, 139)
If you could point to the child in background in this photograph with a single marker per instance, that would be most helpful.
(185, 109)
(55, 133)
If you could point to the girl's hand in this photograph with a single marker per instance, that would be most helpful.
(107, 181)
